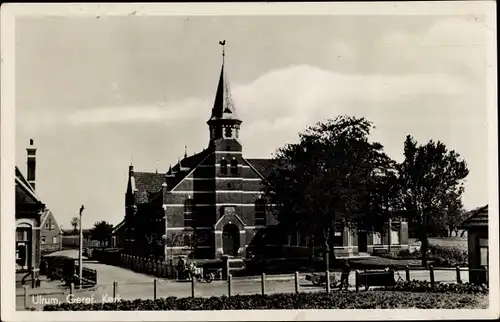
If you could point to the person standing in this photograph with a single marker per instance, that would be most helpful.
(180, 268)
(346, 270)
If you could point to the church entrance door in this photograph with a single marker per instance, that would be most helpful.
(362, 241)
(230, 240)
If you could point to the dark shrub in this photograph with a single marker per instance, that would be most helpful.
(320, 300)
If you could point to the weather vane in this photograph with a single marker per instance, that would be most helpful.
(223, 44)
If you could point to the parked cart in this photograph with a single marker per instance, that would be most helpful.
(319, 279)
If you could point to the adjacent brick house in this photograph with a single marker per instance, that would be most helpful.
(28, 218)
(29, 210)
(209, 204)
(50, 233)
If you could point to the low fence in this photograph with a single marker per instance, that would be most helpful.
(166, 269)
(263, 284)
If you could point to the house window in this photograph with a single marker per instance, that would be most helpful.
(21, 234)
(228, 132)
(260, 212)
(377, 239)
(223, 166)
(483, 251)
(234, 166)
(338, 236)
(43, 240)
(188, 213)
(47, 225)
(54, 240)
(395, 234)
(52, 226)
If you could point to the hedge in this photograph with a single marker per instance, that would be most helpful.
(439, 256)
(340, 300)
(425, 286)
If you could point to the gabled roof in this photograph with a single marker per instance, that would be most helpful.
(263, 166)
(146, 183)
(149, 184)
(24, 191)
(118, 227)
(188, 164)
(70, 232)
(478, 218)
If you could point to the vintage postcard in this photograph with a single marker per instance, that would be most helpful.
(249, 161)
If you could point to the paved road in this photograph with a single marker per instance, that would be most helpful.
(133, 285)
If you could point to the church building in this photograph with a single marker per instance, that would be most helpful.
(209, 204)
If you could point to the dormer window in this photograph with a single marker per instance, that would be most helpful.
(223, 166)
(228, 132)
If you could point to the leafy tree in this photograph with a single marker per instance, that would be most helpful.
(431, 178)
(101, 231)
(328, 178)
(149, 228)
(75, 223)
(453, 214)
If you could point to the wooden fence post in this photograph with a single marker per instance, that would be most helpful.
(193, 281)
(407, 269)
(459, 280)
(154, 288)
(357, 280)
(296, 282)
(263, 283)
(115, 289)
(431, 271)
(229, 280)
(327, 281)
(25, 289)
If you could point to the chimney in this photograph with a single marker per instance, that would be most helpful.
(31, 162)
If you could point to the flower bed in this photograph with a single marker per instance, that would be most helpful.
(340, 300)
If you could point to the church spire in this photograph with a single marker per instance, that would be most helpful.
(223, 105)
(224, 122)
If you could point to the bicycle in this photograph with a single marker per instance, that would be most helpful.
(399, 281)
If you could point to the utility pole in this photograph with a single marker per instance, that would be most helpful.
(389, 237)
(80, 252)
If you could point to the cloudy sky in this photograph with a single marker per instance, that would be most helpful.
(98, 93)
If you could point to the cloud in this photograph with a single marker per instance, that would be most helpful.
(154, 113)
(282, 98)
(454, 45)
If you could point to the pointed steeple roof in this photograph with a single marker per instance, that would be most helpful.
(223, 108)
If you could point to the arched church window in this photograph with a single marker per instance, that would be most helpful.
(228, 132)
(260, 212)
(188, 212)
(234, 166)
(223, 166)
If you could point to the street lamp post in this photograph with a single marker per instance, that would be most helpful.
(80, 252)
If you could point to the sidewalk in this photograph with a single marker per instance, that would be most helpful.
(47, 287)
